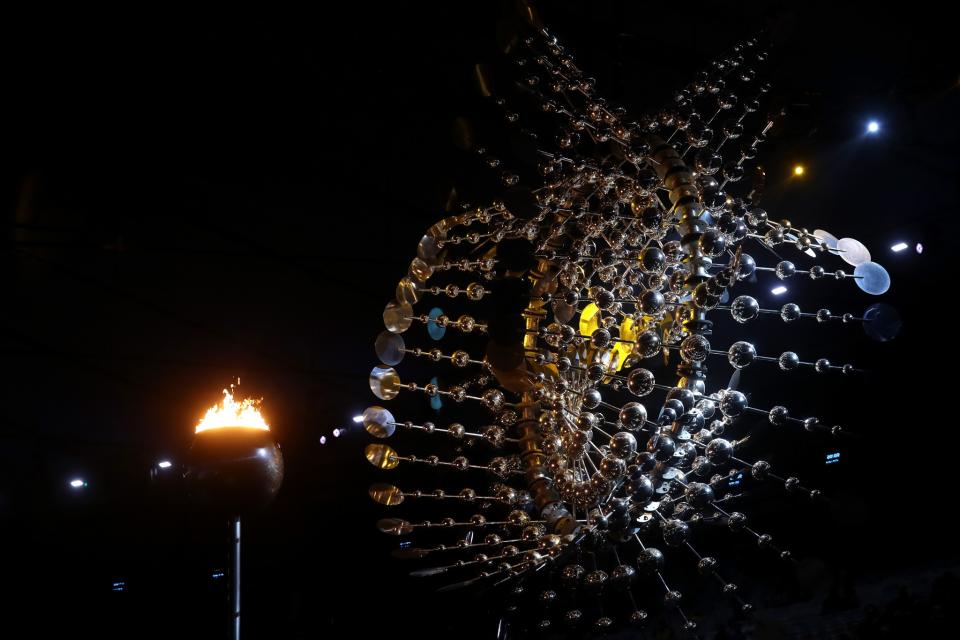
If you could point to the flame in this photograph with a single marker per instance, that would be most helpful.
(230, 414)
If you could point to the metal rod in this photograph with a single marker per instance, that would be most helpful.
(235, 600)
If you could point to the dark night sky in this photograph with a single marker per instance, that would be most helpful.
(192, 200)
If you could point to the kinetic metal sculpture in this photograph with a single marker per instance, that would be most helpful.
(581, 310)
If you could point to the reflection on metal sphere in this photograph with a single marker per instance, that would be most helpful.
(234, 469)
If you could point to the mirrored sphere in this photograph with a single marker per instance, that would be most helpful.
(694, 348)
(650, 560)
(790, 312)
(633, 416)
(741, 354)
(733, 404)
(719, 451)
(623, 444)
(708, 161)
(744, 308)
(640, 382)
(789, 361)
(785, 269)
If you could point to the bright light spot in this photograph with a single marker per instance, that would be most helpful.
(76, 484)
(336, 433)
(323, 439)
(778, 290)
(873, 126)
(164, 464)
(358, 419)
(798, 170)
(217, 574)
(919, 248)
(833, 458)
(900, 246)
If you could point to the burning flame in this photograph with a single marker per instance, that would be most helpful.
(230, 414)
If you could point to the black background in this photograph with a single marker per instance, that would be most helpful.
(191, 199)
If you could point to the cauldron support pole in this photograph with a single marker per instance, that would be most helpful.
(235, 600)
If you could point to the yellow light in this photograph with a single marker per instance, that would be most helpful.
(798, 170)
(229, 413)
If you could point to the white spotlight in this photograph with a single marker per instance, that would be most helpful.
(900, 246)
(873, 126)
(778, 290)
(164, 464)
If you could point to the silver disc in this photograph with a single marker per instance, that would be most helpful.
(385, 383)
(389, 347)
(379, 422)
(852, 251)
(396, 317)
(826, 238)
(872, 278)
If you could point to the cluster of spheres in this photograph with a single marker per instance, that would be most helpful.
(582, 443)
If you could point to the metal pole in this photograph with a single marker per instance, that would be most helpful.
(235, 526)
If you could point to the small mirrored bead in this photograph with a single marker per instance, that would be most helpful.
(789, 361)
(790, 312)
(785, 269)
